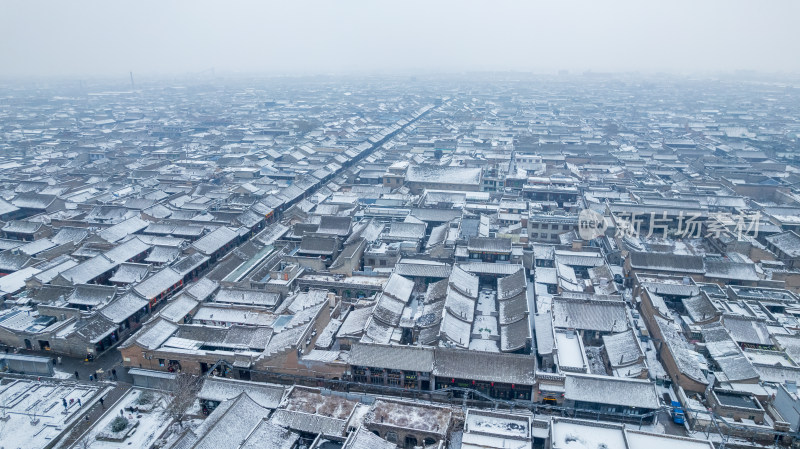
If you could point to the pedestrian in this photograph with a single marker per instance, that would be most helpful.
(59, 360)
(76, 376)
(79, 403)
(64, 401)
(86, 418)
(121, 412)
(114, 373)
(91, 378)
(102, 403)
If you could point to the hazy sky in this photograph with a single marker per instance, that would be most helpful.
(110, 38)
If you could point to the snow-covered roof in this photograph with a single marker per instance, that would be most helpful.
(307, 299)
(788, 242)
(498, 424)
(611, 391)
(700, 308)
(398, 288)
(590, 314)
(727, 354)
(412, 416)
(574, 434)
(241, 296)
(89, 269)
(15, 281)
(215, 240)
(545, 340)
(129, 273)
(221, 389)
(178, 307)
(487, 244)
(444, 174)
(484, 366)
(749, 330)
(156, 334)
(158, 283)
(126, 251)
(644, 440)
(268, 435)
(163, 254)
(510, 286)
(622, 349)
(678, 263)
(464, 282)
(362, 438)
(237, 416)
(354, 323)
(685, 358)
(309, 423)
(406, 358)
(91, 295)
(122, 308)
(123, 229)
(202, 289)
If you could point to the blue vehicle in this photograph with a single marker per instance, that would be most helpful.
(677, 412)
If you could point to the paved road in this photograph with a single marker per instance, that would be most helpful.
(670, 428)
(109, 360)
(95, 412)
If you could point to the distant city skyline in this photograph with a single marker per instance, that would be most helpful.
(110, 39)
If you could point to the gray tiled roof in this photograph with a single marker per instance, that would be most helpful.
(543, 325)
(406, 358)
(484, 366)
(487, 244)
(514, 336)
(590, 314)
(667, 262)
(611, 391)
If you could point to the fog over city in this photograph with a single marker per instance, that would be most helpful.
(109, 39)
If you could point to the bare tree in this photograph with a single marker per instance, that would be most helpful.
(83, 443)
(184, 392)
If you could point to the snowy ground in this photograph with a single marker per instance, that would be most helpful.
(309, 401)
(151, 425)
(61, 374)
(26, 401)
(496, 425)
(175, 430)
(653, 364)
(596, 363)
(569, 351)
(652, 428)
(567, 435)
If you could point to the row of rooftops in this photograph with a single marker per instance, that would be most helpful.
(280, 416)
(478, 234)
